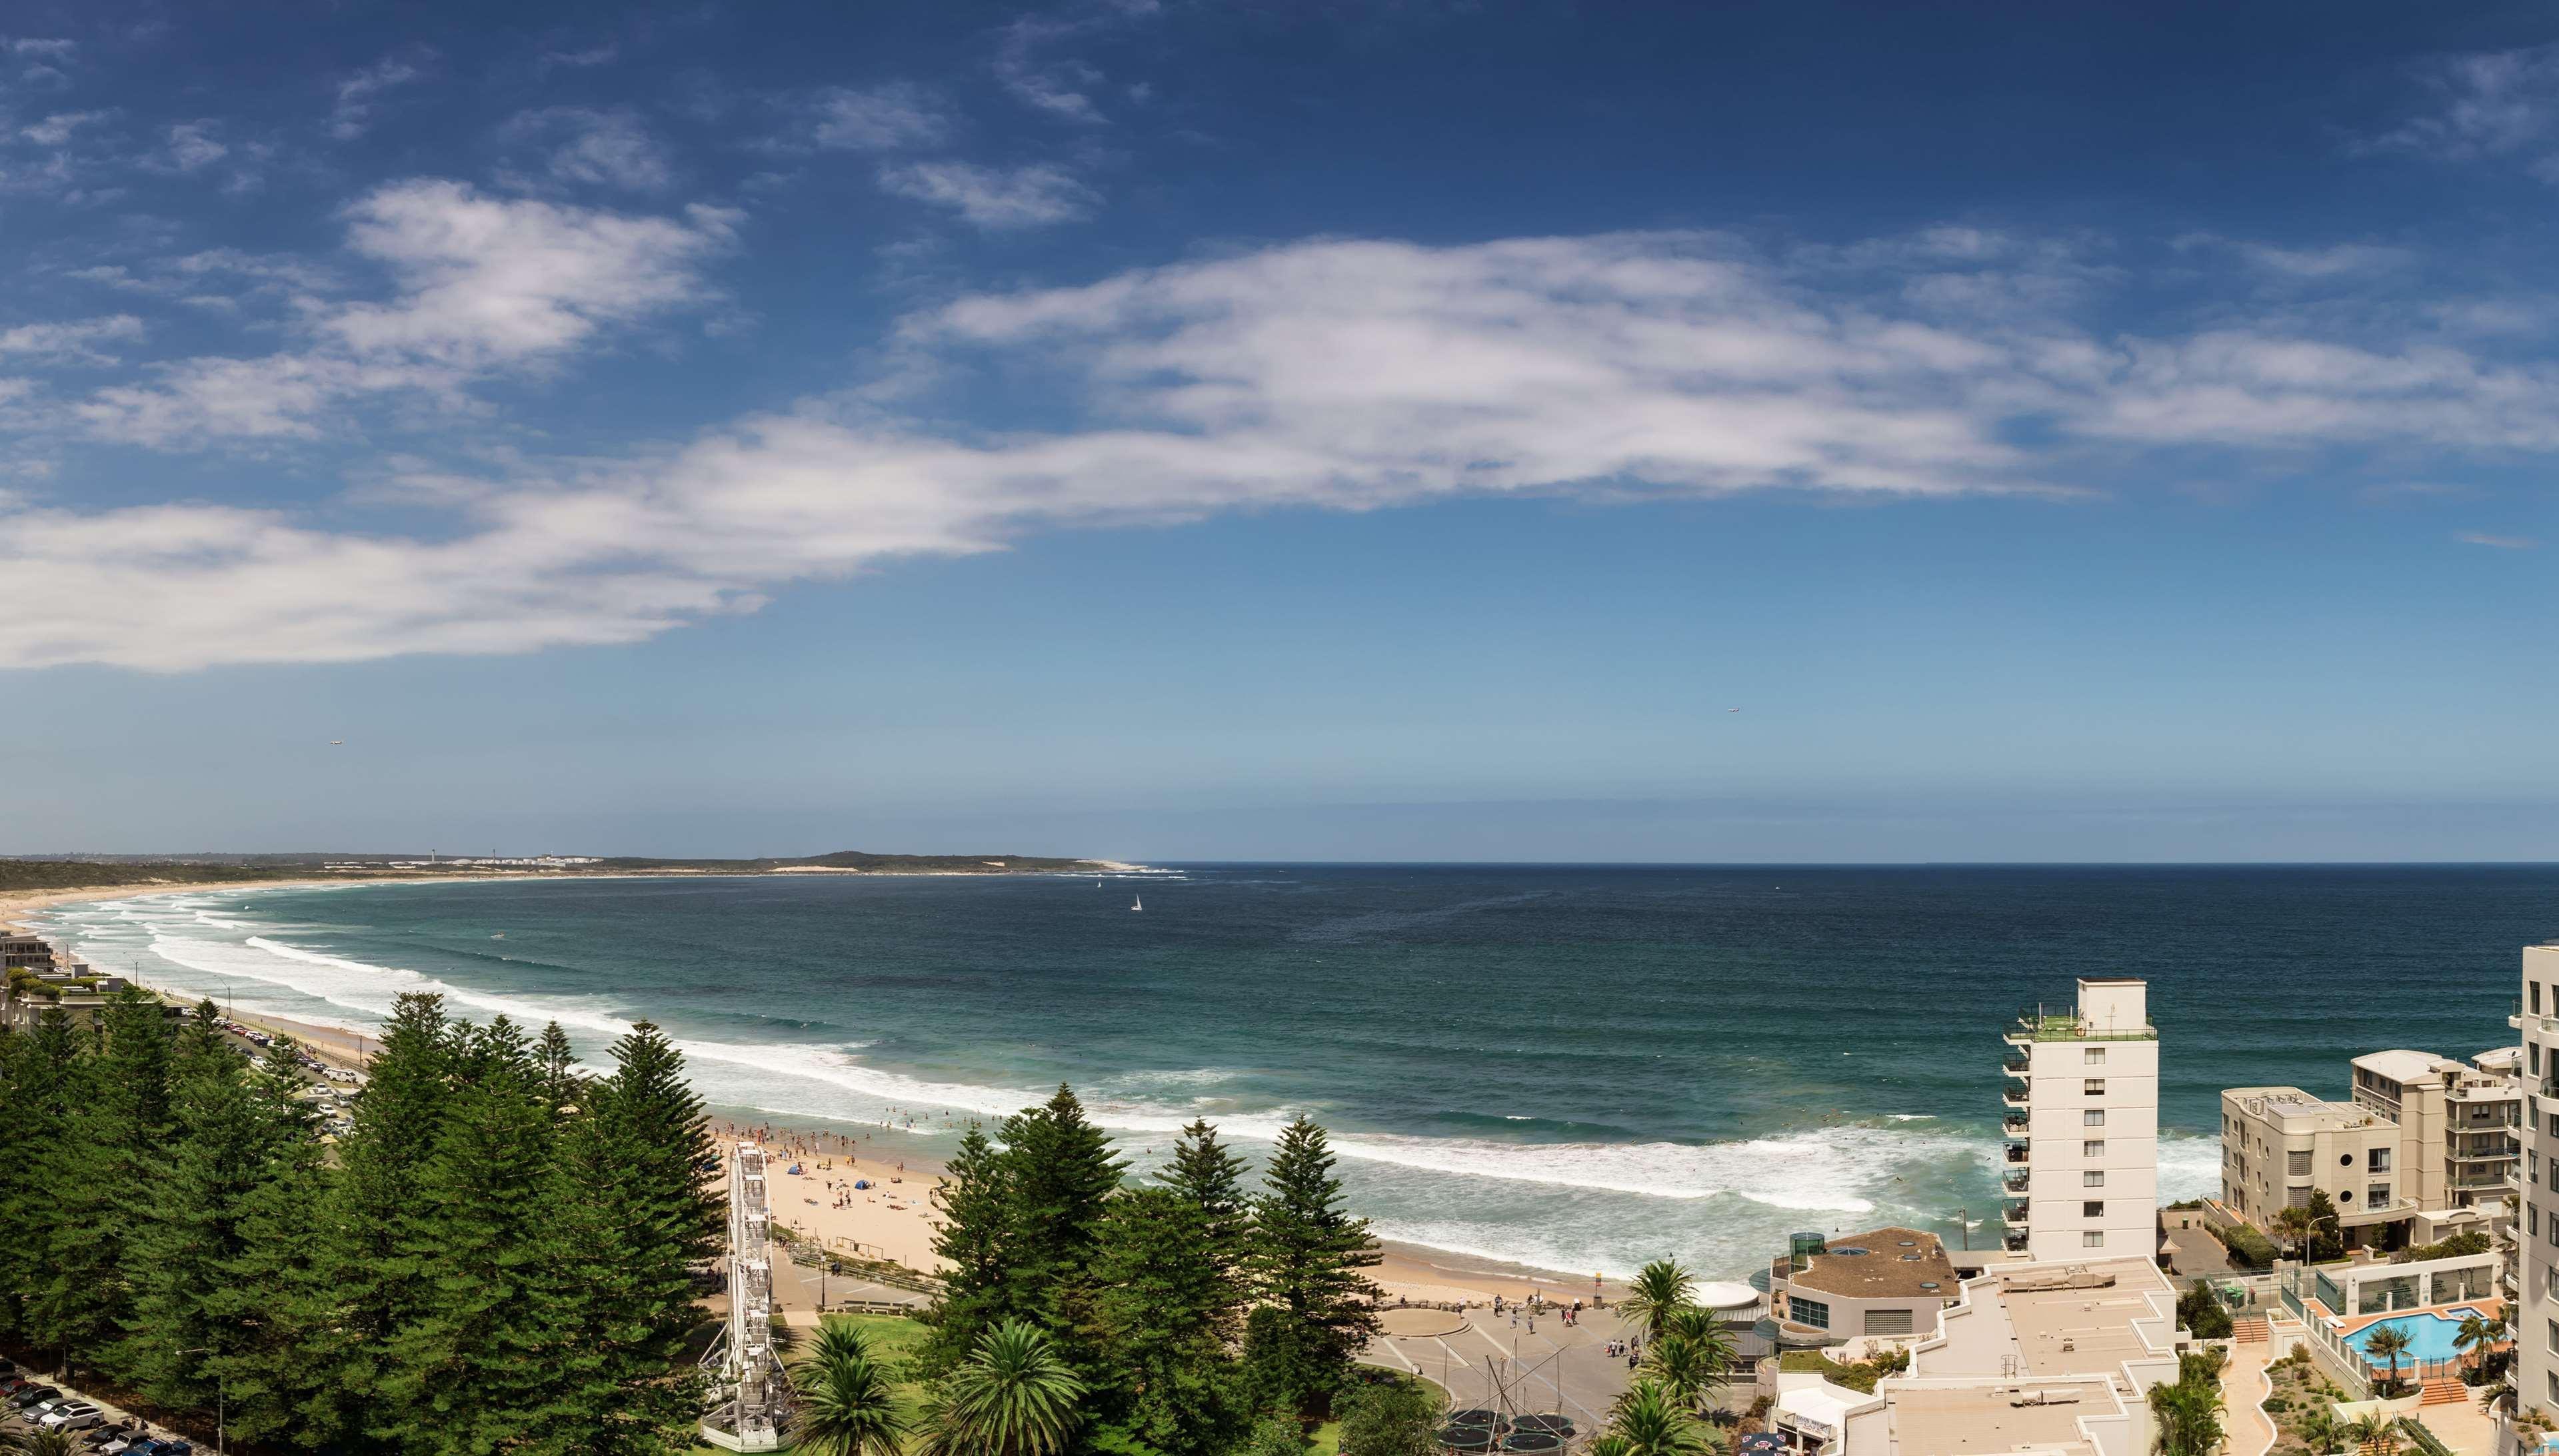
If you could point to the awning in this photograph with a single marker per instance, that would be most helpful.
(1810, 1408)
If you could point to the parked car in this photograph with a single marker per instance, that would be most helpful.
(73, 1415)
(33, 1393)
(118, 1434)
(12, 1384)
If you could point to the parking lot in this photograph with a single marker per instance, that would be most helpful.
(30, 1402)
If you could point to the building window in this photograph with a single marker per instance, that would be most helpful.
(2092, 1148)
(2093, 1178)
(2092, 1211)
(2297, 1162)
(2554, 1336)
(2093, 1117)
(2094, 1086)
(2096, 1239)
(2377, 1160)
(2377, 1196)
(1888, 1321)
(2536, 987)
(1818, 1315)
(2093, 1056)
(2532, 1219)
(2536, 1059)
(2553, 1378)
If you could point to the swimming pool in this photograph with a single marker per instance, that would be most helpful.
(2430, 1336)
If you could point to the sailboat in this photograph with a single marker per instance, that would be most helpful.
(1136, 901)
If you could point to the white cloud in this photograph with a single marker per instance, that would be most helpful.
(358, 95)
(1024, 197)
(880, 118)
(51, 50)
(75, 341)
(1331, 374)
(57, 129)
(2491, 104)
(194, 145)
(481, 285)
(2502, 543)
(1060, 86)
(603, 148)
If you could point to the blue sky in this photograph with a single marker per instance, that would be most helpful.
(1338, 431)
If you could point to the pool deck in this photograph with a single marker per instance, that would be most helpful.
(2484, 1308)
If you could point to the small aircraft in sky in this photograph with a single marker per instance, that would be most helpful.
(337, 743)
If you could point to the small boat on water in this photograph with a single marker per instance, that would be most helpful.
(1136, 901)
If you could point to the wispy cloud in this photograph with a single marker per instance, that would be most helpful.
(78, 340)
(1060, 85)
(482, 284)
(2502, 543)
(881, 118)
(1334, 374)
(360, 95)
(58, 129)
(2486, 104)
(608, 148)
(992, 198)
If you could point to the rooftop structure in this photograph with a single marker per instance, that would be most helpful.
(1887, 1282)
(2050, 1358)
(2081, 1158)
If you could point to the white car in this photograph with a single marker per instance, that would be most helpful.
(72, 1415)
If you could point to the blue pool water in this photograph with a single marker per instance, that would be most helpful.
(2430, 1336)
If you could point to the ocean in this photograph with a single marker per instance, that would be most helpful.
(1577, 1068)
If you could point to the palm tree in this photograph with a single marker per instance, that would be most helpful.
(846, 1406)
(1013, 1397)
(2320, 1429)
(33, 1442)
(2376, 1434)
(1659, 1290)
(2188, 1416)
(1652, 1422)
(1713, 1343)
(1674, 1360)
(2481, 1336)
(2498, 1394)
(2388, 1341)
(2295, 1224)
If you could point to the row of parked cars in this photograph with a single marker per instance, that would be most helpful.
(45, 1407)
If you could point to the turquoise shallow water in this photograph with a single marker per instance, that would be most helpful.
(1580, 1068)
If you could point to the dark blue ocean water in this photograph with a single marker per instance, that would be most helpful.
(1575, 1066)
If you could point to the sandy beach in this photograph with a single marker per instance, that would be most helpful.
(895, 1219)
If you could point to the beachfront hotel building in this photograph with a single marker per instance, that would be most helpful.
(2081, 1155)
(2534, 1271)
(2426, 1147)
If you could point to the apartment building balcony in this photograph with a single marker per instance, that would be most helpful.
(2017, 1063)
(2016, 1153)
(2013, 1242)
(2016, 1180)
(2012, 1213)
(2015, 1097)
(2016, 1124)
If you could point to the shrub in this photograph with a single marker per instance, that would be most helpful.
(2246, 1244)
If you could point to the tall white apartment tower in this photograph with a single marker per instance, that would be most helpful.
(2534, 1315)
(2081, 1152)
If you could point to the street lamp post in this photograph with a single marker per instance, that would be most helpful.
(218, 1403)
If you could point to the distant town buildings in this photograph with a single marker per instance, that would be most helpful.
(2080, 1156)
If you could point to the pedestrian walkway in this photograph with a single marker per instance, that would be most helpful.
(2247, 1429)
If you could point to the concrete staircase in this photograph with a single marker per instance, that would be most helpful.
(2248, 1329)
(2443, 1392)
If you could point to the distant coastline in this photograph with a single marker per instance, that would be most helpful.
(31, 884)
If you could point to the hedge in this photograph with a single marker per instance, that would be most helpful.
(2246, 1244)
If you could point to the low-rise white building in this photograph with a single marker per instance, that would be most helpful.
(2055, 1359)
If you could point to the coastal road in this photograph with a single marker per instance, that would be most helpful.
(1551, 1367)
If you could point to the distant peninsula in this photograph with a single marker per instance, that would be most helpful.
(52, 872)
